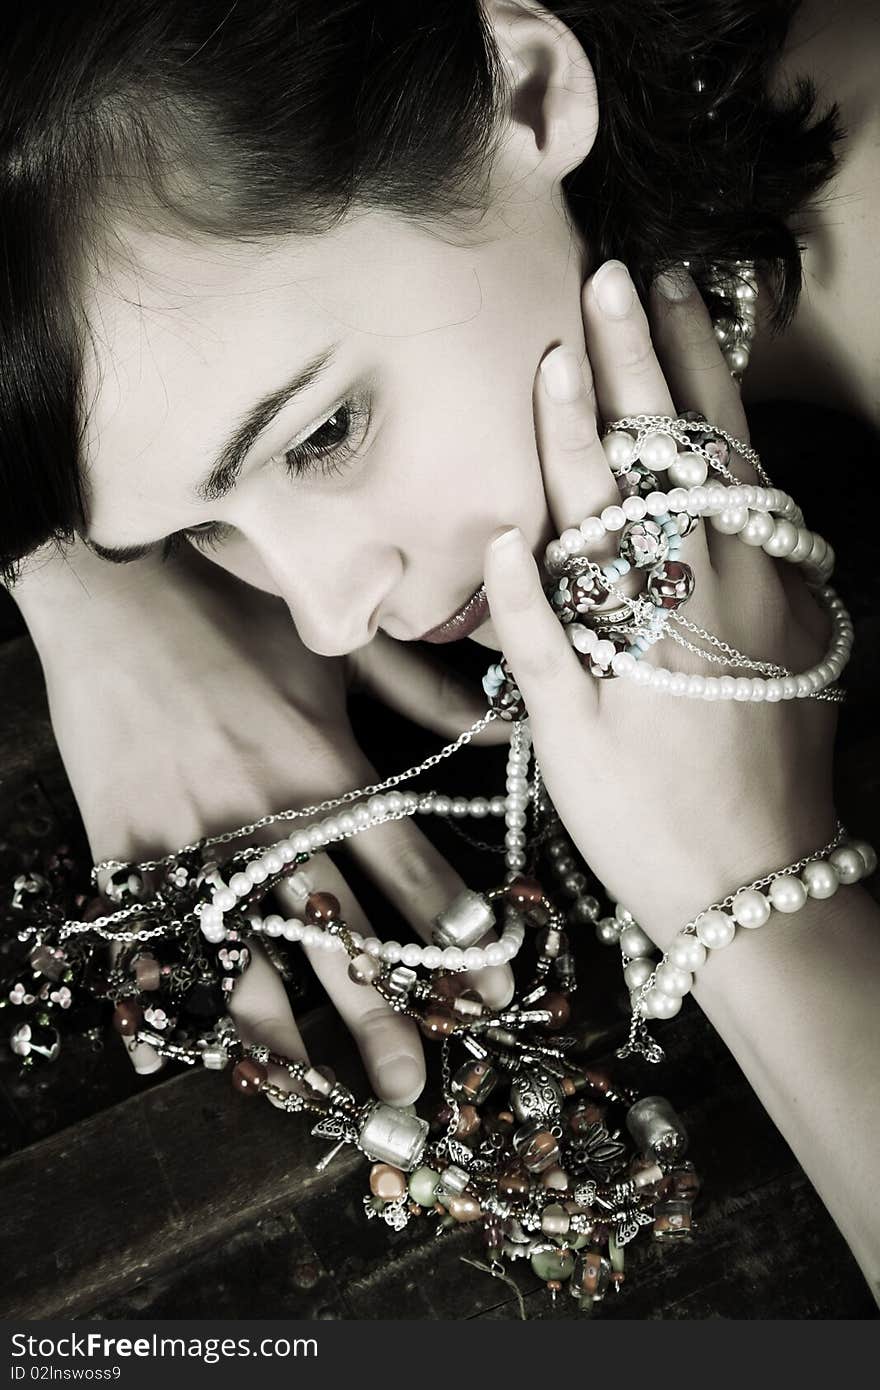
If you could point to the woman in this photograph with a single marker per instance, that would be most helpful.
(376, 226)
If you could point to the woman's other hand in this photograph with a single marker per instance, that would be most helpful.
(184, 705)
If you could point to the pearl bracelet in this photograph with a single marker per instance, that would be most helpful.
(657, 988)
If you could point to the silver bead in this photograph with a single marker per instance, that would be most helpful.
(464, 922)
(389, 1135)
(656, 1129)
(608, 931)
(214, 1058)
(535, 1095)
(454, 1180)
(401, 980)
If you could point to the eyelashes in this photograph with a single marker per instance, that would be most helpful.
(326, 451)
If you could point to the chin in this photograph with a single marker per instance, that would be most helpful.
(486, 636)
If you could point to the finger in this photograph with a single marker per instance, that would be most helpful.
(628, 375)
(628, 378)
(692, 361)
(261, 1010)
(556, 690)
(577, 478)
(422, 690)
(144, 1058)
(388, 1042)
(418, 880)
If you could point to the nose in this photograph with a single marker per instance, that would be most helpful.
(335, 583)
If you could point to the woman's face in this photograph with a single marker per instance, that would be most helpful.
(367, 500)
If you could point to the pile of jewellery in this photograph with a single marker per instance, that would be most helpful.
(528, 1145)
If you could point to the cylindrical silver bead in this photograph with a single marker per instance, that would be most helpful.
(464, 922)
(656, 1129)
(389, 1135)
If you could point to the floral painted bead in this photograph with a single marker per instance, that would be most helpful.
(644, 544)
(587, 592)
(503, 692)
(671, 584)
(638, 481)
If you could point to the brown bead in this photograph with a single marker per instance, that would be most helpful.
(468, 1122)
(387, 1182)
(539, 1151)
(127, 1017)
(513, 1181)
(598, 1079)
(506, 1118)
(683, 1183)
(447, 987)
(464, 1208)
(248, 1076)
(524, 892)
(147, 972)
(558, 1008)
(437, 1023)
(322, 907)
(554, 1286)
(568, 1086)
(584, 1116)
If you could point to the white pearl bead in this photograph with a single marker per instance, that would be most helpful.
(300, 841)
(214, 934)
(432, 957)
(868, 853)
(657, 452)
(742, 688)
(787, 894)
(820, 879)
(592, 530)
(377, 806)
(698, 500)
(411, 955)
(758, 529)
(638, 971)
(641, 673)
(572, 541)
(634, 942)
(672, 980)
(678, 683)
(347, 823)
(789, 687)
(273, 862)
(750, 908)
(312, 936)
(715, 929)
(726, 688)
(555, 556)
(286, 850)
(273, 925)
(677, 499)
(613, 518)
(802, 548)
(391, 952)
(330, 829)
(494, 954)
(316, 837)
(620, 449)
(710, 688)
(603, 652)
(479, 807)
(759, 690)
(717, 498)
(622, 662)
(453, 957)
(731, 521)
(373, 946)
(688, 470)
(240, 885)
(579, 636)
(803, 685)
(687, 953)
(656, 503)
(783, 540)
(473, 958)
(634, 508)
(848, 864)
(656, 1004)
(256, 872)
(293, 929)
(225, 900)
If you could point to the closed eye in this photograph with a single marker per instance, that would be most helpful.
(326, 449)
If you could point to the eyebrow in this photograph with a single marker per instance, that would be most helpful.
(225, 471)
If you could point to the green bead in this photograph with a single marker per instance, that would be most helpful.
(553, 1264)
(423, 1186)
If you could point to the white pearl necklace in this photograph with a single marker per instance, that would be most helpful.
(758, 516)
(379, 810)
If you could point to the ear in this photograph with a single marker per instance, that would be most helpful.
(552, 111)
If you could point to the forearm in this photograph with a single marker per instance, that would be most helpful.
(796, 1002)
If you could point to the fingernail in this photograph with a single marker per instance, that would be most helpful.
(614, 290)
(562, 375)
(399, 1079)
(508, 542)
(675, 284)
(146, 1065)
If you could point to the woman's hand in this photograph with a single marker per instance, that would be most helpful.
(183, 705)
(673, 802)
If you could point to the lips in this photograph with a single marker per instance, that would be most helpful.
(463, 621)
